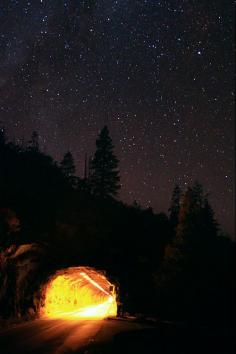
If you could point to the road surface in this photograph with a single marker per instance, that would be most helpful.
(112, 337)
(45, 336)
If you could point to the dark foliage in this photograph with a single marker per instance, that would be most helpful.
(32, 185)
(68, 168)
(174, 207)
(195, 279)
(178, 267)
(104, 177)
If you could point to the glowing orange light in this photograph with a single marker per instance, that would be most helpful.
(80, 292)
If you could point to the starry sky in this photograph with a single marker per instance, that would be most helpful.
(159, 73)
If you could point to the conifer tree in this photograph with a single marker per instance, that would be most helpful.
(104, 178)
(2, 138)
(195, 233)
(175, 206)
(68, 167)
(34, 142)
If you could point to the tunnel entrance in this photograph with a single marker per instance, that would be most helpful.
(79, 292)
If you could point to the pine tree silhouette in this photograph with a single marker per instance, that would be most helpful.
(2, 137)
(175, 206)
(68, 167)
(104, 179)
(34, 142)
(196, 233)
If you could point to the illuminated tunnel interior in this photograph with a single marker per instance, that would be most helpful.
(79, 292)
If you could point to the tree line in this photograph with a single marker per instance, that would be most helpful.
(101, 175)
(177, 265)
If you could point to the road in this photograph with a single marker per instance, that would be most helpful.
(112, 337)
(45, 336)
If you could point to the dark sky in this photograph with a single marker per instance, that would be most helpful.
(158, 73)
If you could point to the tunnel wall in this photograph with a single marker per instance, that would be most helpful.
(22, 269)
(25, 271)
(78, 292)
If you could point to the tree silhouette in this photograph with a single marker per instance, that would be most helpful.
(210, 227)
(175, 206)
(104, 179)
(5, 161)
(197, 224)
(68, 167)
(2, 138)
(188, 274)
(34, 142)
(197, 195)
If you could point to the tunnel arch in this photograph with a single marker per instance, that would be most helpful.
(78, 292)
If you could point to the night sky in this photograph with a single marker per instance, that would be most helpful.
(158, 73)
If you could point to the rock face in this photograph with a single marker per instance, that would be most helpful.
(27, 273)
(21, 271)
